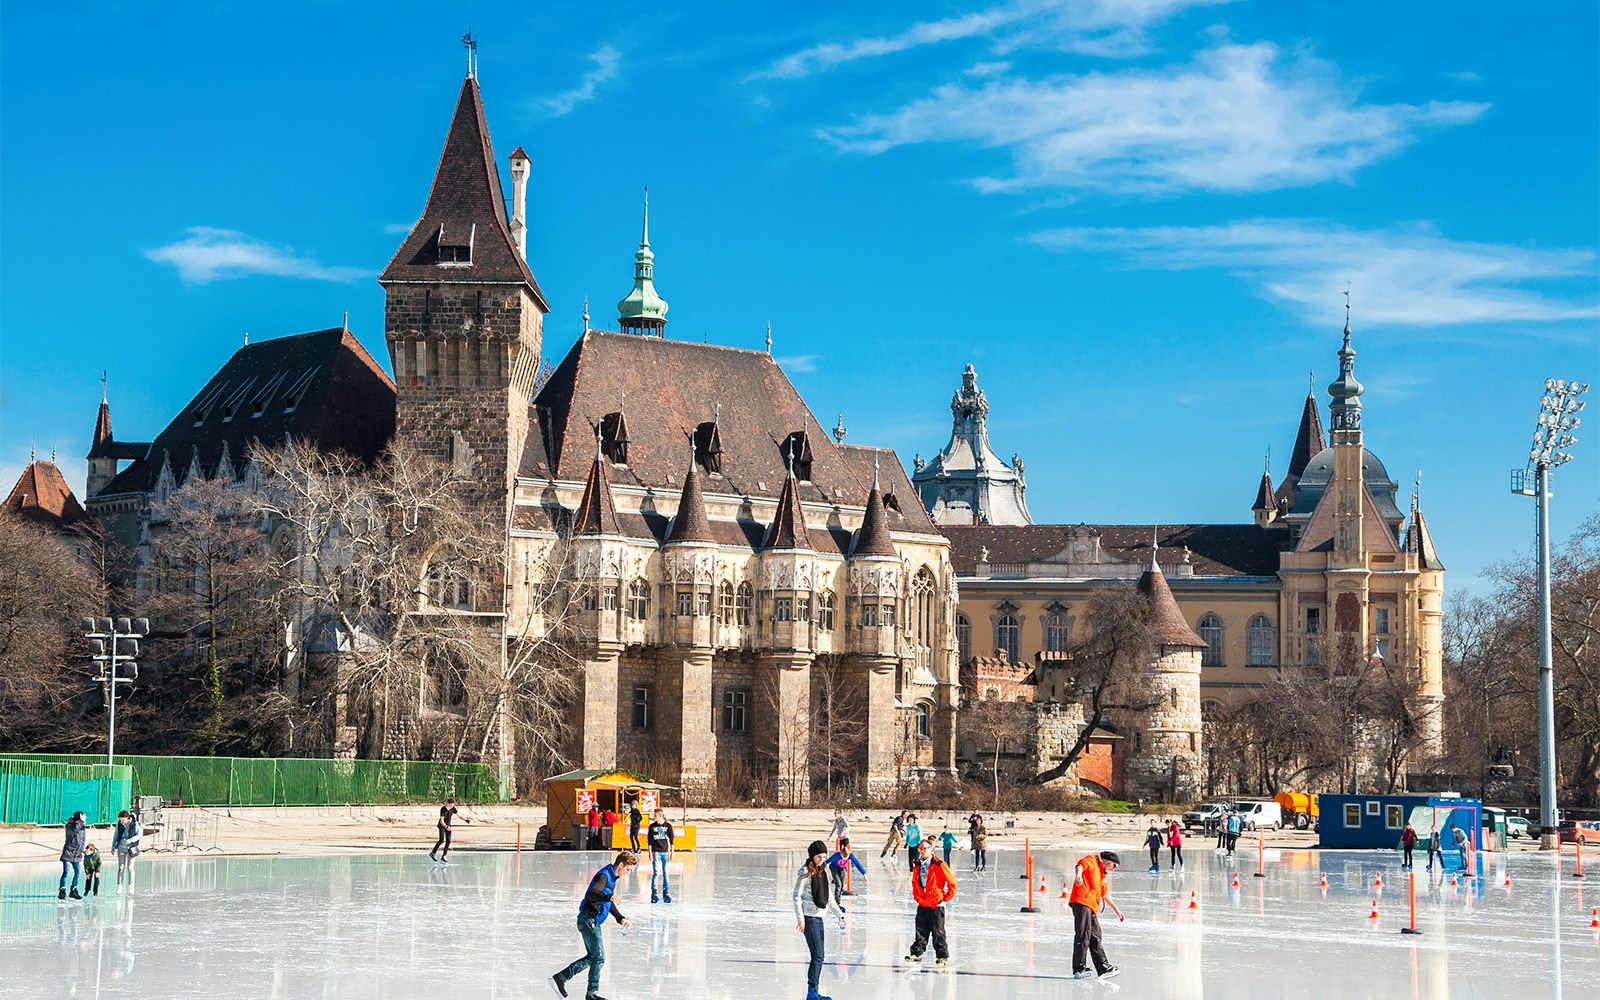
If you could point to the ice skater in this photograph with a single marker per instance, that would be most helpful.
(1222, 830)
(447, 813)
(1155, 842)
(839, 863)
(635, 817)
(1175, 844)
(932, 886)
(661, 837)
(1408, 843)
(947, 843)
(812, 899)
(980, 846)
(1434, 849)
(841, 828)
(1235, 826)
(91, 870)
(897, 826)
(1091, 890)
(598, 903)
(125, 845)
(77, 835)
(913, 837)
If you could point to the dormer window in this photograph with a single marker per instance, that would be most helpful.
(455, 246)
(708, 447)
(297, 391)
(797, 455)
(202, 408)
(614, 437)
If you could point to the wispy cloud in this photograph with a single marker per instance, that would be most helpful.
(606, 62)
(396, 228)
(1238, 118)
(1096, 27)
(799, 363)
(208, 254)
(1400, 276)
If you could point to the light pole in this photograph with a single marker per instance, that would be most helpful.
(104, 634)
(1552, 441)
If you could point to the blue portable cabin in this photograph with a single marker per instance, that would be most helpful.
(1376, 821)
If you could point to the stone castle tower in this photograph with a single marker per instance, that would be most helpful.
(1163, 762)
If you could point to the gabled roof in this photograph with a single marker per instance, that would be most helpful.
(1167, 624)
(788, 529)
(465, 204)
(1318, 533)
(1214, 549)
(41, 496)
(690, 524)
(321, 387)
(597, 511)
(1420, 542)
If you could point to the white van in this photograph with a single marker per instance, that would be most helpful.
(1259, 814)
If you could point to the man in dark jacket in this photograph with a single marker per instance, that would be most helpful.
(72, 855)
(661, 837)
(598, 903)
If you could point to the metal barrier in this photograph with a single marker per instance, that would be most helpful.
(287, 781)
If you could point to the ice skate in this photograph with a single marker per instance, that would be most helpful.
(1083, 974)
(1110, 973)
(941, 965)
(666, 897)
(655, 898)
(558, 985)
(61, 894)
(74, 894)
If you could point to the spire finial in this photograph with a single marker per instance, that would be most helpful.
(769, 336)
(247, 338)
(1268, 467)
(789, 459)
(103, 397)
(586, 314)
(471, 45)
(692, 431)
(599, 438)
(52, 451)
(344, 324)
(717, 413)
(644, 236)
(1155, 546)
(1347, 312)
(839, 430)
(1311, 383)
(874, 471)
(1416, 491)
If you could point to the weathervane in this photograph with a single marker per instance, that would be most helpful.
(471, 45)
(103, 396)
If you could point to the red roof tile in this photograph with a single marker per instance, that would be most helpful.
(41, 496)
(1167, 624)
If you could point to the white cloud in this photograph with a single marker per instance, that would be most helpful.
(209, 254)
(799, 363)
(1238, 118)
(1097, 27)
(1399, 276)
(397, 228)
(606, 62)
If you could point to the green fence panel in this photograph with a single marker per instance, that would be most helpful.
(47, 792)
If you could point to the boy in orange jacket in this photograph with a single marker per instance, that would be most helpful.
(1090, 891)
(932, 886)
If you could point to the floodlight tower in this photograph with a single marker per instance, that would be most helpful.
(1552, 444)
(104, 635)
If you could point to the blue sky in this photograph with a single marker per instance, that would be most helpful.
(1137, 218)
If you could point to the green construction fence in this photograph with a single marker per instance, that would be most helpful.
(292, 781)
(48, 792)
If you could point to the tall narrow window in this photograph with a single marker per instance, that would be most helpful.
(888, 617)
(639, 600)
(1380, 621)
(736, 711)
(1313, 621)
(802, 609)
(746, 604)
(1057, 633)
(782, 609)
(725, 603)
(641, 708)
(825, 611)
(963, 637)
(1007, 637)
(1263, 642)
(1210, 630)
(684, 606)
(924, 720)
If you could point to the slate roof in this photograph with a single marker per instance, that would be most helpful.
(1167, 624)
(903, 511)
(41, 496)
(597, 511)
(1308, 440)
(106, 446)
(466, 201)
(690, 523)
(873, 539)
(341, 401)
(789, 524)
(1215, 549)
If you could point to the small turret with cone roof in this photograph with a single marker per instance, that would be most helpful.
(1167, 625)
(788, 529)
(597, 510)
(690, 523)
(874, 539)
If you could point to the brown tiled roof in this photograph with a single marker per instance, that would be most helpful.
(788, 529)
(1420, 541)
(597, 511)
(690, 524)
(903, 509)
(1264, 493)
(1214, 549)
(873, 539)
(668, 389)
(1308, 440)
(466, 201)
(41, 496)
(1167, 624)
(102, 430)
(343, 401)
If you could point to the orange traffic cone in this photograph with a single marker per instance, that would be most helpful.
(1374, 914)
(1453, 883)
(1236, 880)
(1379, 880)
(1194, 904)
(1044, 887)
(1508, 880)
(1323, 884)
(1594, 917)
(1064, 893)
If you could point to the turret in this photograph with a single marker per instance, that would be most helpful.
(642, 311)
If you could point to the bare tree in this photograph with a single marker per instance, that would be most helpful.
(838, 725)
(998, 727)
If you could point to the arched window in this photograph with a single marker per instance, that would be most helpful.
(1210, 710)
(725, 603)
(449, 588)
(1057, 633)
(922, 607)
(1006, 636)
(963, 637)
(638, 600)
(1263, 642)
(1210, 630)
(825, 611)
(924, 720)
(744, 609)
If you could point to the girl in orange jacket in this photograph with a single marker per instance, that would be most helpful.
(932, 885)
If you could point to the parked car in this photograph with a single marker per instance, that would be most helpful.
(1579, 830)
(1518, 826)
(1259, 815)
(1205, 817)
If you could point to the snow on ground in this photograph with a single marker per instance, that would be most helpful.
(495, 924)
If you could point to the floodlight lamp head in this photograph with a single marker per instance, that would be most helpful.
(1550, 383)
(141, 626)
(86, 624)
(124, 626)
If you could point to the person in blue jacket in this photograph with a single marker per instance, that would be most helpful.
(913, 838)
(839, 863)
(598, 903)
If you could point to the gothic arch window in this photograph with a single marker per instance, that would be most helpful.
(725, 603)
(1210, 629)
(1057, 633)
(448, 587)
(744, 609)
(922, 589)
(1210, 711)
(963, 636)
(1007, 636)
(825, 608)
(924, 720)
(1263, 642)
(638, 600)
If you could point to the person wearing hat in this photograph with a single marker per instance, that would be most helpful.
(77, 835)
(812, 898)
(1091, 891)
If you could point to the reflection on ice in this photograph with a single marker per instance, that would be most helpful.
(495, 925)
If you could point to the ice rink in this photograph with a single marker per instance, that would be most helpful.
(497, 924)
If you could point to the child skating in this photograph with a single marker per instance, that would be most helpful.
(1175, 844)
(813, 898)
(980, 846)
(598, 904)
(839, 863)
(91, 870)
(447, 813)
(913, 835)
(1155, 842)
(947, 843)
(1091, 890)
(125, 845)
(932, 886)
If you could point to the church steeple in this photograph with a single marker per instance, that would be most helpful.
(1345, 410)
(642, 311)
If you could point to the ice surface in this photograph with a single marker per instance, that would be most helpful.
(497, 924)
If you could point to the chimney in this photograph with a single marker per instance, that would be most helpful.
(519, 201)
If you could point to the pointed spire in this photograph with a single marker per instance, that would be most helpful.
(874, 539)
(597, 510)
(788, 529)
(769, 336)
(1167, 626)
(1309, 439)
(1419, 541)
(1345, 410)
(102, 427)
(691, 524)
(1264, 498)
(642, 311)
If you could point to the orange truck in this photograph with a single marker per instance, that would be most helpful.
(1299, 809)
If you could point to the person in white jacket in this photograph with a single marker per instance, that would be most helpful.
(125, 843)
(813, 896)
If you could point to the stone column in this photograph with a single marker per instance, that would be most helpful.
(947, 698)
(783, 723)
(883, 725)
(597, 706)
(685, 732)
